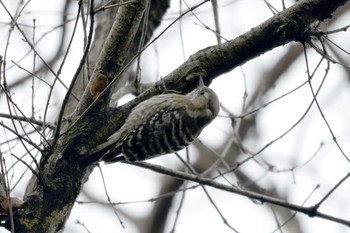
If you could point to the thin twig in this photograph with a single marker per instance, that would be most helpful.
(252, 156)
(295, 213)
(26, 119)
(27, 165)
(77, 72)
(108, 198)
(107, 6)
(192, 170)
(62, 63)
(332, 190)
(318, 105)
(34, 67)
(215, 7)
(247, 114)
(20, 136)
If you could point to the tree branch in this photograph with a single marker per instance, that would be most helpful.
(310, 211)
(293, 24)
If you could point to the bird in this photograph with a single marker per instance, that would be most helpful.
(160, 125)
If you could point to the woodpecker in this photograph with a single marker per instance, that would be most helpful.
(160, 125)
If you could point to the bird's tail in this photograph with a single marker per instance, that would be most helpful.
(112, 158)
(97, 153)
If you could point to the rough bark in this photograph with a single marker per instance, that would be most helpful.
(52, 194)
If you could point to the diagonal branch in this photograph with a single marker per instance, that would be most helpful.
(310, 211)
(292, 24)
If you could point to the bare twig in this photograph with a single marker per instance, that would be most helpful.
(108, 198)
(77, 73)
(26, 119)
(318, 105)
(332, 190)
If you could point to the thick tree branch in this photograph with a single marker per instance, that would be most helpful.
(293, 24)
(115, 49)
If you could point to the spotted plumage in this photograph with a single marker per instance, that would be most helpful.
(162, 124)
